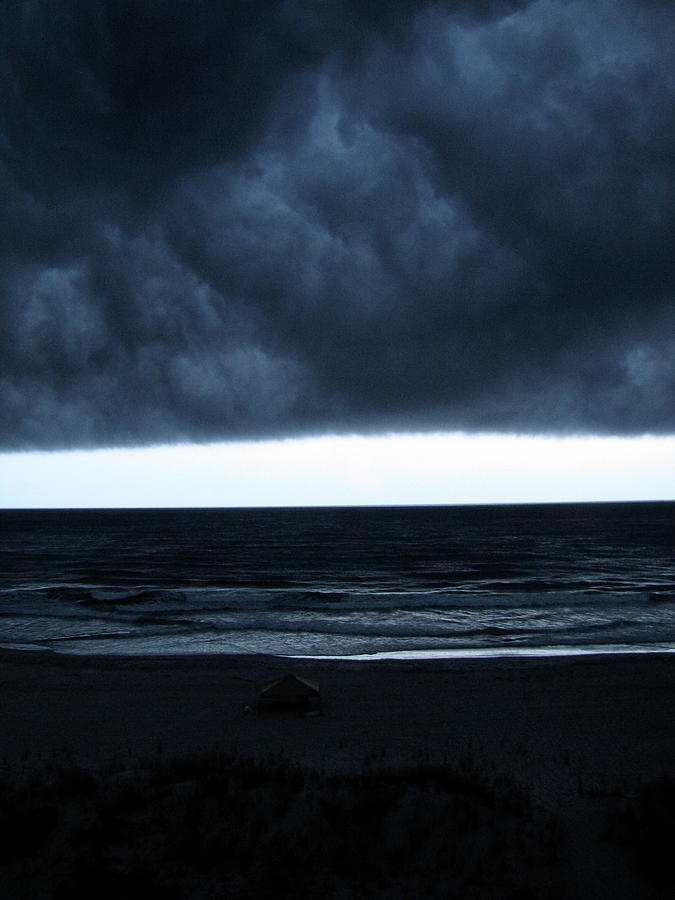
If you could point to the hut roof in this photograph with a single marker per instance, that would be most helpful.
(287, 687)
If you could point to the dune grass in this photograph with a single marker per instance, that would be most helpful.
(232, 826)
(643, 826)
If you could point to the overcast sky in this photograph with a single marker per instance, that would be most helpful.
(227, 220)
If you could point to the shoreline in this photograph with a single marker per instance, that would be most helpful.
(420, 655)
(480, 656)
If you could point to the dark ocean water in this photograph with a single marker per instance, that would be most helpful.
(540, 579)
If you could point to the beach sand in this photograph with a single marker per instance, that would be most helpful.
(581, 735)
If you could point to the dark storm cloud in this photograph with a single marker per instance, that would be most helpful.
(250, 219)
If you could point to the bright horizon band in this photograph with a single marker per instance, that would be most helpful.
(396, 469)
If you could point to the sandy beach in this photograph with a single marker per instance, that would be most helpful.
(580, 734)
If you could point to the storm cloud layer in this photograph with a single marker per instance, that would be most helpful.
(227, 220)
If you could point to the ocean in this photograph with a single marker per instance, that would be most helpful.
(371, 583)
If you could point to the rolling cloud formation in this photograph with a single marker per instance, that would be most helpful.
(233, 220)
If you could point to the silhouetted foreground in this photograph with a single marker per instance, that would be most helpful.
(144, 777)
(643, 828)
(231, 826)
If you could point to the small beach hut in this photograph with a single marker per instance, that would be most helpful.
(290, 694)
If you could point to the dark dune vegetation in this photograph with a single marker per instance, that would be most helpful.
(233, 826)
(239, 827)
